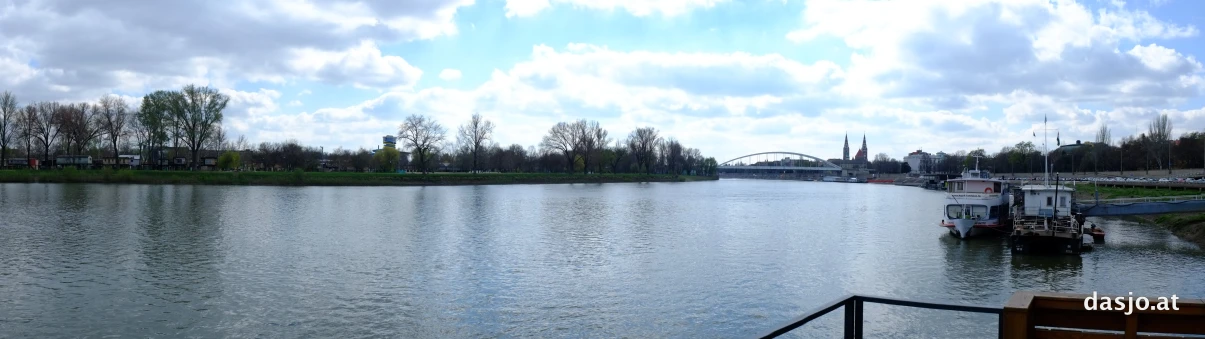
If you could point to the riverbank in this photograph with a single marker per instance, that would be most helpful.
(1187, 226)
(323, 178)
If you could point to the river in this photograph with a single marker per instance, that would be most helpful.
(727, 258)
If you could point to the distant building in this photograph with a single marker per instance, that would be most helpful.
(845, 152)
(859, 166)
(389, 141)
(921, 161)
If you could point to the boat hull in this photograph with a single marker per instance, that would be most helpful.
(974, 228)
(1037, 244)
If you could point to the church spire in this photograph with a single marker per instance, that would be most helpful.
(845, 153)
(864, 143)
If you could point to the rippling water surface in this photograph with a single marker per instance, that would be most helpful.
(732, 258)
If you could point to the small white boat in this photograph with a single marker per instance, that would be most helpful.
(1045, 220)
(976, 204)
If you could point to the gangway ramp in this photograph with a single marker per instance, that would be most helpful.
(1143, 206)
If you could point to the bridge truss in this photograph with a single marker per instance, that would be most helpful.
(777, 164)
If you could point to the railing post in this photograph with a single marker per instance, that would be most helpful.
(853, 318)
(1000, 326)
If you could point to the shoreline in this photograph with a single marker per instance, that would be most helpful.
(1189, 227)
(151, 177)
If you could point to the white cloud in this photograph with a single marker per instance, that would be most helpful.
(978, 73)
(449, 74)
(362, 66)
(957, 50)
(148, 47)
(669, 8)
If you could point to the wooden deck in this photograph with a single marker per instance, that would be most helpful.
(1058, 315)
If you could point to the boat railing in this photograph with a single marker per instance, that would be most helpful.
(853, 307)
(1152, 199)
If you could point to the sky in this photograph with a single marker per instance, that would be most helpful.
(727, 77)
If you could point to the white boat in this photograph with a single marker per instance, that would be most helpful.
(831, 179)
(976, 204)
(1045, 220)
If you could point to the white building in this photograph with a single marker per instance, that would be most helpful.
(920, 161)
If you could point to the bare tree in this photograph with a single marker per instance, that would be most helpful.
(27, 124)
(218, 140)
(1104, 137)
(592, 138)
(198, 111)
(643, 143)
(674, 156)
(114, 114)
(474, 135)
(141, 135)
(562, 138)
(621, 152)
(8, 118)
(46, 126)
(1159, 142)
(242, 144)
(80, 125)
(423, 135)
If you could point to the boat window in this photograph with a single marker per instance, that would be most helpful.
(993, 212)
(979, 211)
(996, 188)
(1049, 201)
(954, 211)
(960, 189)
(1062, 201)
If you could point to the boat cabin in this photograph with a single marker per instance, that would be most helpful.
(973, 186)
(1047, 200)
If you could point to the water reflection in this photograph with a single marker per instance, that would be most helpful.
(713, 259)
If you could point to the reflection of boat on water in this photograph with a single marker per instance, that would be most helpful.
(1055, 271)
(976, 204)
(935, 185)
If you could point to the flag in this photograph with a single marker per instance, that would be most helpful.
(1035, 134)
(1056, 139)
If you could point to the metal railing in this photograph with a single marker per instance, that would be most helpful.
(853, 313)
(1152, 199)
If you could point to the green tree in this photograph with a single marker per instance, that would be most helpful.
(387, 159)
(1021, 153)
(969, 160)
(199, 113)
(228, 161)
(155, 121)
(709, 166)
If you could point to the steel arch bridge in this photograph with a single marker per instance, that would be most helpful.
(778, 162)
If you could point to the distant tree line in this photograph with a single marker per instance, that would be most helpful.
(189, 118)
(1153, 150)
(580, 146)
(178, 129)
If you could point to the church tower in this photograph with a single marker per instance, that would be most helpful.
(845, 154)
(865, 152)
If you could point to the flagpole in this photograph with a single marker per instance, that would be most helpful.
(1046, 165)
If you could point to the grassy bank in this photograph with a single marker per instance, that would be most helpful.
(322, 178)
(1187, 226)
(1085, 191)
